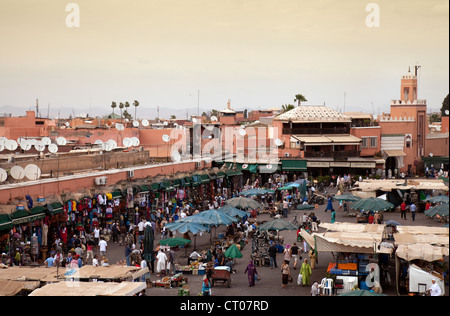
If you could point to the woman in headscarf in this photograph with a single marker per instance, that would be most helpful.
(305, 271)
(251, 273)
(206, 287)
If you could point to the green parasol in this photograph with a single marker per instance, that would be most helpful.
(173, 242)
(233, 252)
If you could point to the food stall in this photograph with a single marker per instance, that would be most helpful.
(356, 249)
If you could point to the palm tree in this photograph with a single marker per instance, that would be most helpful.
(121, 107)
(300, 98)
(287, 107)
(113, 105)
(136, 104)
(127, 105)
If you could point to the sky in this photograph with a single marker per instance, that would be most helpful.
(257, 53)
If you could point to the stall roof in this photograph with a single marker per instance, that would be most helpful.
(28, 274)
(421, 251)
(90, 289)
(399, 184)
(353, 227)
(12, 288)
(356, 242)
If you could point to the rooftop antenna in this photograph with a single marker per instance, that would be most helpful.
(37, 107)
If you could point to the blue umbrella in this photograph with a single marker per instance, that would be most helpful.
(250, 192)
(232, 211)
(438, 199)
(217, 217)
(190, 224)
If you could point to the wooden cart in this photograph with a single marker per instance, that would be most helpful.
(221, 275)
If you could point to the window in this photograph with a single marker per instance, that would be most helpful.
(408, 141)
(373, 142)
(364, 142)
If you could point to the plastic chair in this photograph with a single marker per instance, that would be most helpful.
(351, 282)
(328, 287)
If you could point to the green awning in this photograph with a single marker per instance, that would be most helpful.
(187, 181)
(205, 178)
(5, 222)
(220, 174)
(116, 194)
(293, 165)
(144, 189)
(155, 186)
(176, 183)
(55, 208)
(24, 216)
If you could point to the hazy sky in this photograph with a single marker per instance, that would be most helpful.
(258, 53)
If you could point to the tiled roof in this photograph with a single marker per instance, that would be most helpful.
(313, 114)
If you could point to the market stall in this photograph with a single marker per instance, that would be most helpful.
(90, 289)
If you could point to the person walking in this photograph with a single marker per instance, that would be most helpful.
(287, 254)
(313, 258)
(403, 210)
(273, 255)
(285, 273)
(103, 245)
(294, 254)
(206, 287)
(413, 209)
(305, 271)
(285, 207)
(252, 274)
(333, 216)
(329, 204)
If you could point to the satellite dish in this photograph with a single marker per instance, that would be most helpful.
(53, 148)
(166, 138)
(98, 142)
(61, 141)
(120, 127)
(194, 120)
(175, 156)
(67, 124)
(135, 141)
(110, 145)
(430, 154)
(17, 172)
(135, 123)
(107, 146)
(39, 146)
(242, 132)
(446, 112)
(46, 141)
(127, 142)
(213, 118)
(3, 175)
(25, 145)
(278, 142)
(165, 123)
(32, 172)
(11, 144)
(145, 123)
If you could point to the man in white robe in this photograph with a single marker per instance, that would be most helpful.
(162, 262)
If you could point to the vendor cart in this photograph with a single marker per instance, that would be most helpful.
(221, 274)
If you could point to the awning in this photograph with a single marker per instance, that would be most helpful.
(423, 252)
(294, 165)
(327, 140)
(205, 178)
(5, 222)
(55, 208)
(394, 152)
(24, 216)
